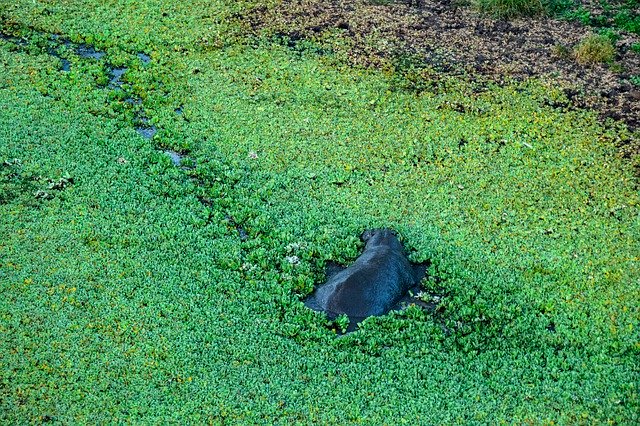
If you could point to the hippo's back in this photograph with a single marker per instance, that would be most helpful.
(372, 285)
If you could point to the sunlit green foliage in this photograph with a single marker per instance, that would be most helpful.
(511, 8)
(605, 14)
(127, 293)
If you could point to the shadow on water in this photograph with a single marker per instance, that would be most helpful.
(15, 40)
(65, 65)
(62, 48)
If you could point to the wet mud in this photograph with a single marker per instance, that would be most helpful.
(455, 40)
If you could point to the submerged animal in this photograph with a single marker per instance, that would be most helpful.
(373, 284)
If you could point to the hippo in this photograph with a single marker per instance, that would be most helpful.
(373, 285)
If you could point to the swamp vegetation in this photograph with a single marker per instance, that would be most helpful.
(146, 287)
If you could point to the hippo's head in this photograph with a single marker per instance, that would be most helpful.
(381, 237)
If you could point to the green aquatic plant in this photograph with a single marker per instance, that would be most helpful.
(133, 296)
(342, 321)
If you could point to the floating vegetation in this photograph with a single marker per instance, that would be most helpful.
(137, 291)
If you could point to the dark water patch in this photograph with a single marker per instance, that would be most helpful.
(15, 40)
(205, 200)
(380, 280)
(144, 128)
(54, 44)
(176, 157)
(333, 268)
(178, 110)
(55, 47)
(147, 132)
(416, 296)
(144, 58)
(116, 73)
(58, 40)
(65, 65)
(88, 51)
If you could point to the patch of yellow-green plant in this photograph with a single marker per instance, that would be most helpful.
(595, 48)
